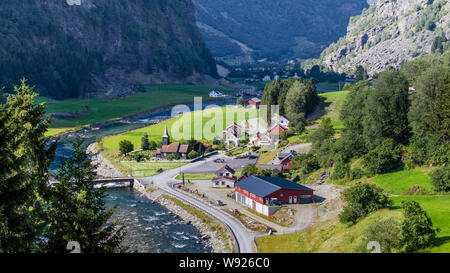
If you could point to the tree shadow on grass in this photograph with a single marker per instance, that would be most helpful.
(441, 240)
(320, 110)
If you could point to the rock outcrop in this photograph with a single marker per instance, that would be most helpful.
(389, 33)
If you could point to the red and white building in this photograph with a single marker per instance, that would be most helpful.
(254, 102)
(265, 194)
(224, 178)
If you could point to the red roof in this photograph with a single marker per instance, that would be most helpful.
(254, 101)
(277, 130)
(226, 167)
(174, 147)
(184, 148)
(171, 148)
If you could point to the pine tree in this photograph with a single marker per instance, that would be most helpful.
(78, 211)
(24, 161)
(145, 144)
(417, 228)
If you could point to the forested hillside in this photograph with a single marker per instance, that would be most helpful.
(100, 46)
(274, 29)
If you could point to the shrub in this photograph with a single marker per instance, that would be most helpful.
(356, 173)
(363, 199)
(250, 169)
(125, 146)
(306, 163)
(440, 179)
(152, 145)
(192, 155)
(386, 232)
(350, 214)
(341, 170)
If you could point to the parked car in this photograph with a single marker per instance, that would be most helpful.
(220, 203)
(219, 160)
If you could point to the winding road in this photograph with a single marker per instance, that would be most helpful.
(243, 238)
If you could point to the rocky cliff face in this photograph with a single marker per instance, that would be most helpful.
(388, 34)
(69, 47)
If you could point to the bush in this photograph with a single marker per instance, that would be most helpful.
(125, 146)
(250, 169)
(440, 179)
(152, 145)
(210, 149)
(306, 163)
(350, 214)
(341, 170)
(386, 232)
(356, 173)
(363, 199)
(192, 155)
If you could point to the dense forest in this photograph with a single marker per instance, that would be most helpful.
(68, 50)
(274, 29)
(296, 98)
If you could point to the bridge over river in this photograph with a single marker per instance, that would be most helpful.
(109, 182)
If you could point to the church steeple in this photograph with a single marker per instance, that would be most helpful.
(166, 137)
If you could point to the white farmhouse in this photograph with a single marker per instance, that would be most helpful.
(224, 178)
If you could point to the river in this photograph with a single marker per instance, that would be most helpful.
(150, 227)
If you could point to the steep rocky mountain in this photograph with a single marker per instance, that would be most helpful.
(389, 33)
(274, 29)
(70, 47)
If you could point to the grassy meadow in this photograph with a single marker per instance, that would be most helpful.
(332, 236)
(397, 183)
(333, 103)
(104, 109)
(156, 131)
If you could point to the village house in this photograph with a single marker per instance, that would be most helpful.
(224, 178)
(260, 139)
(232, 135)
(265, 194)
(285, 159)
(281, 120)
(278, 129)
(253, 103)
(171, 148)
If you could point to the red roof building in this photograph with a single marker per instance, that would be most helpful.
(254, 102)
(265, 194)
(224, 178)
(278, 129)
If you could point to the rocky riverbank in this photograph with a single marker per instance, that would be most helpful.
(212, 238)
(104, 167)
